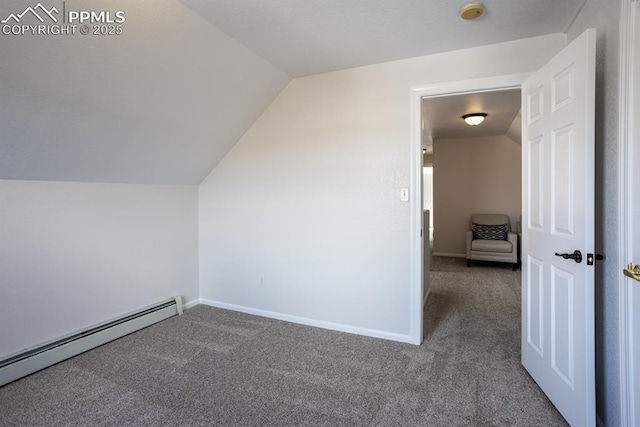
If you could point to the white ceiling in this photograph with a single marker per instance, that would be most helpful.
(303, 37)
(442, 116)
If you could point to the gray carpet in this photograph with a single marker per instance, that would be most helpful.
(217, 367)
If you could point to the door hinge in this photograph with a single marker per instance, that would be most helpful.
(598, 257)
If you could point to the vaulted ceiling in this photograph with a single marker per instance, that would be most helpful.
(165, 101)
(162, 103)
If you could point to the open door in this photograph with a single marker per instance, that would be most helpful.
(558, 188)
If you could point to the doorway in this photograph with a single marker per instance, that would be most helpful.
(493, 84)
(558, 173)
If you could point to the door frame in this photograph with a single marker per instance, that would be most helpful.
(489, 84)
(629, 88)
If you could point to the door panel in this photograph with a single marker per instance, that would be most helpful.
(562, 88)
(562, 340)
(534, 195)
(535, 295)
(561, 189)
(558, 217)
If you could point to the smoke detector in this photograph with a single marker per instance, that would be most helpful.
(471, 11)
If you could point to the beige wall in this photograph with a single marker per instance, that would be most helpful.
(473, 175)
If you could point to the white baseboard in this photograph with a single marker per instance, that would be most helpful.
(310, 322)
(450, 255)
(191, 303)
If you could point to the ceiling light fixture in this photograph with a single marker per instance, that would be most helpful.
(471, 11)
(474, 119)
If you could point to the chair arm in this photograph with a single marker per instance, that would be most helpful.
(513, 239)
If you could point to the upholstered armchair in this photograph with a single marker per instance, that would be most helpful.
(490, 239)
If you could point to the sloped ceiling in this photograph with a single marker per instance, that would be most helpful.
(162, 103)
(309, 37)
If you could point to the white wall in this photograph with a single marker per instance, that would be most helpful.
(75, 254)
(604, 15)
(310, 196)
(473, 175)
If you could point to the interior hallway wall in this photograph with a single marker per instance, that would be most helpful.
(473, 175)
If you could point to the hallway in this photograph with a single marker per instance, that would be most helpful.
(472, 326)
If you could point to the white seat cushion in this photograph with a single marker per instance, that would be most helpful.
(501, 246)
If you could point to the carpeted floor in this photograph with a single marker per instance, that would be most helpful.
(217, 367)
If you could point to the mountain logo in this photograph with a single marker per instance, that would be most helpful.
(33, 11)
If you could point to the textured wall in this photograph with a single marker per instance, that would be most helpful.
(75, 254)
(310, 196)
(604, 16)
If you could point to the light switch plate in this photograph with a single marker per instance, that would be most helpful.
(404, 194)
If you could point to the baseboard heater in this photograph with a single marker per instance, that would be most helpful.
(33, 359)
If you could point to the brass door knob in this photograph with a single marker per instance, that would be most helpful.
(633, 272)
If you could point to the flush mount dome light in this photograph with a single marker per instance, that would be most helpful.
(474, 119)
(471, 11)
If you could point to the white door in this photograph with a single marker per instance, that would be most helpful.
(558, 218)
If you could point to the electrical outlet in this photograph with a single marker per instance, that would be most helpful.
(262, 282)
